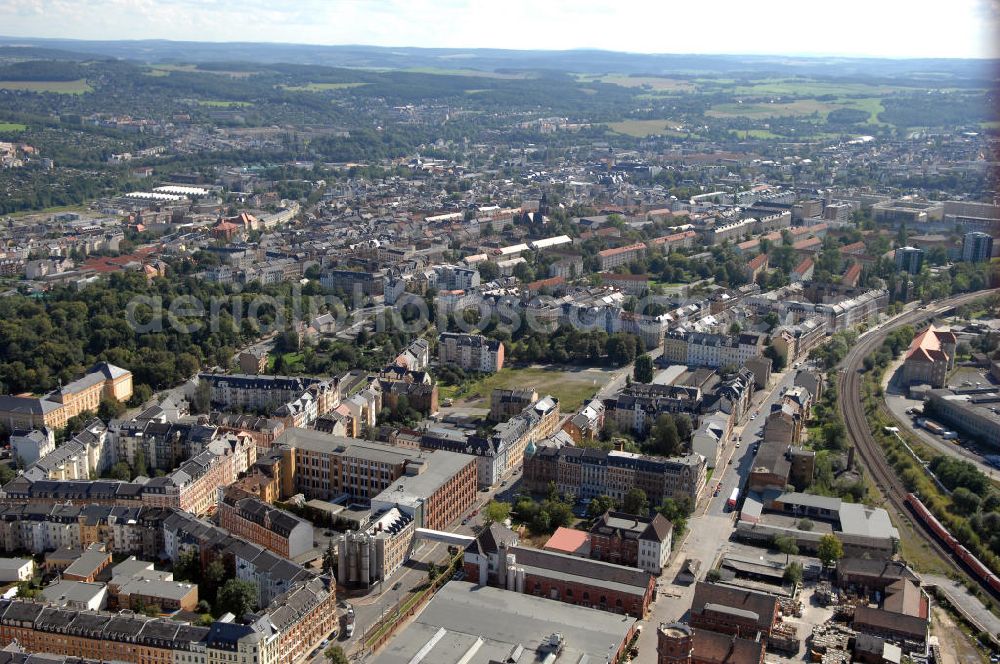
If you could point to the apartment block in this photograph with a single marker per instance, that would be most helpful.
(612, 258)
(273, 528)
(588, 473)
(470, 352)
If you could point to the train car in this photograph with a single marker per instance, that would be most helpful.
(979, 570)
(931, 521)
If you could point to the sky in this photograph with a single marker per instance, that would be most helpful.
(876, 28)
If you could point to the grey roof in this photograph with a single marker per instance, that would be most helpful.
(487, 625)
(61, 592)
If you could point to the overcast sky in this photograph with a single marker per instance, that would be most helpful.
(891, 28)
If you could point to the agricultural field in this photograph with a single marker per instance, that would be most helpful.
(470, 72)
(11, 127)
(793, 87)
(77, 87)
(644, 128)
(798, 107)
(651, 83)
(322, 87)
(571, 386)
(165, 70)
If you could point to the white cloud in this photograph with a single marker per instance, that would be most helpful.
(892, 28)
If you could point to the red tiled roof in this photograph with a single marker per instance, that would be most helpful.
(638, 246)
(804, 266)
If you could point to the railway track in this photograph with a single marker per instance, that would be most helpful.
(852, 410)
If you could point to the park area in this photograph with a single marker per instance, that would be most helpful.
(571, 385)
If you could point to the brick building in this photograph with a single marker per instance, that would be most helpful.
(560, 577)
(273, 528)
(741, 613)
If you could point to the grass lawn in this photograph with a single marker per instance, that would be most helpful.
(320, 87)
(643, 128)
(77, 87)
(571, 386)
(6, 127)
(222, 103)
(758, 110)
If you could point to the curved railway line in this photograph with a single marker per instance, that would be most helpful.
(852, 410)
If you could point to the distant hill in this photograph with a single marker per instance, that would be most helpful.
(581, 61)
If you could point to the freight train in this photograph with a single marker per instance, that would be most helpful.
(973, 564)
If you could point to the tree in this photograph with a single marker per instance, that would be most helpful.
(599, 505)
(793, 573)
(141, 393)
(735, 329)
(201, 400)
(829, 550)
(329, 559)
(965, 502)
(663, 437)
(496, 512)
(110, 409)
(684, 428)
(433, 572)
(805, 524)
(120, 471)
(636, 502)
(139, 467)
(643, 371)
(786, 544)
(336, 655)
(238, 597)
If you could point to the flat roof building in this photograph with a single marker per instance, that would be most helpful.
(480, 625)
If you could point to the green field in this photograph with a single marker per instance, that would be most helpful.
(322, 87)
(8, 127)
(571, 386)
(643, 128)
(799, 107)
(221, 103)
(467, 72)
(77, 87)
(653, 83)
(809, 88)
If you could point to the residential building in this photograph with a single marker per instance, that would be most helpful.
(28, 446)
(506, 403)
(977, 247)
(253, 362)
(612, 258)
(272, 528)
(470, 352)
(635, 541)
(588, 473)
(909, 259)
(700, 349)
(929, 358)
